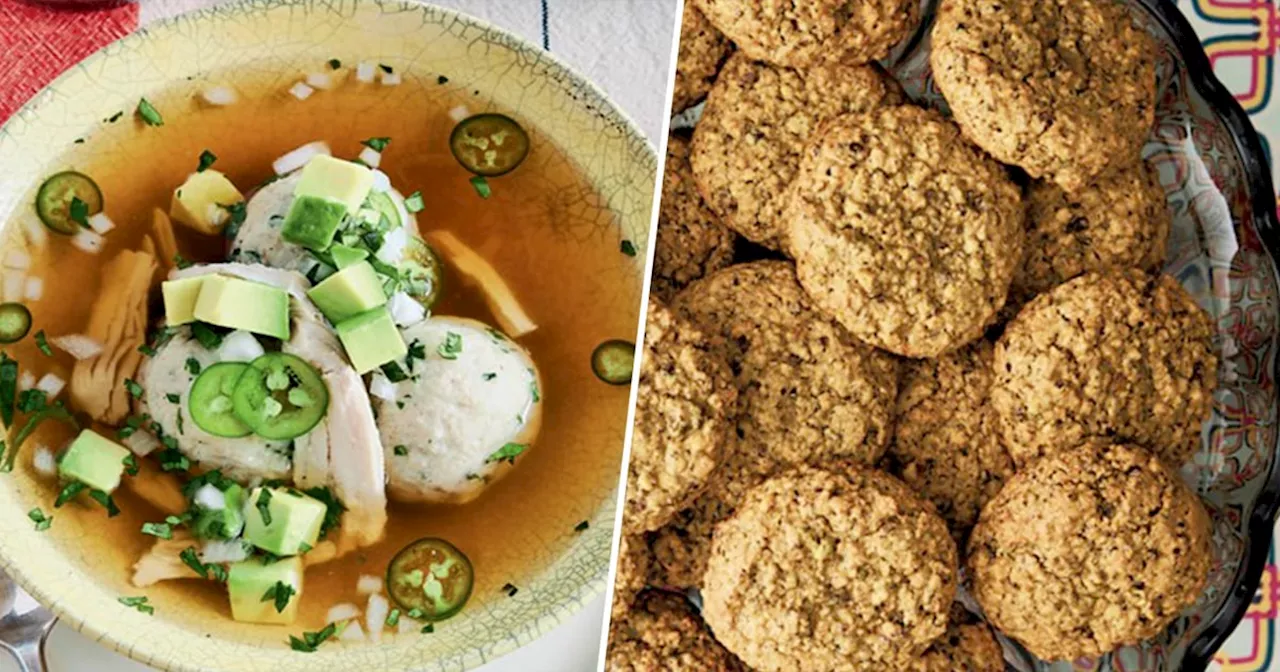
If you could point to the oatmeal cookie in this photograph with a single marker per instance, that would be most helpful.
(1064, 89)
(1089, 549)
(826, 570)
(808, 393)
(702, 51)
(798, 34)
(683, 419)
(662, 632)
(691, 240)
(1119, 222)
(904, 232)
(1126, 356)
(967, 646)
(946, 443)
(633, 567)
(757, 120)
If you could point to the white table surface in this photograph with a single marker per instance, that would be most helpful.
(625, 47)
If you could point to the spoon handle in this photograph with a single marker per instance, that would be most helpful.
(31, 655)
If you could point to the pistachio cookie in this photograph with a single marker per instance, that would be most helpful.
(1089, 549)
(702, 51)
(1126, 356)
(691, 240)
(946, 443)
(903, 231)
(662, 632)
(799, 34)
(683, 419)
(757, 120)
(808, 393)
(1064, 89)
(830, 570)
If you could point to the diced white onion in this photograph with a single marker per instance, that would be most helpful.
(405, 312)
(101, 223)
(34, 289)
(352, 632)
(371, 157)
(142, 443)
(37, 234)
(459, 113)
(224, 550)
(17, 259)
(216, 214)
(365, 72)
(51, 384)
(375, 614)
(381, 387)
(300, 157)
(390, 78)
(78, 345)
(15, 283)
(393, 244)
(368, 584)
(87, 240)
(342, 612)
(210, 497)
(319, 80)
(239, 346)
(219, 96)
(26, 381)
(406, 625)
(381, 183)
(44, 461)
(301, 91)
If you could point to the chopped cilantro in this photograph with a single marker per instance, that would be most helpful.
(376, 144)
(42, 342)
(581, 527)
(204, 333)
(627, 248)
(533, 389)
(115, 117)
(451, 347)
(414, 202)
(237, 213)
(386, 68)
(106, 501)
(333, 508)
(192, 560)
(130, 462)
(510, 589)
(393, 618)
(311, 640)
(334, 64)
(264, 507)
(42, 521)
(507, 453)
(68, 493)
(161, 530)
(401, 450)
(394, 373)
(149, 113)
(428, 628)
(181, 261)
(139, 603)
(193, 366)
(280, 594)
(135, 390)
(489, 375)
(207, 158)
(78, 211)
(173, 398)
(171, 459)
(481, 186)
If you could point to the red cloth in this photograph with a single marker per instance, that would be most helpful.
(39, 41)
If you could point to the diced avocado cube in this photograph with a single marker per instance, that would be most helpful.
(295, 521)
(180, 299)
(200, 201)
(371, 339)
(243, 304)
(94, 460)
(349, 292)
(224, 523)
(335, 180)
(312, 222)
(344, 255)
(252, 588)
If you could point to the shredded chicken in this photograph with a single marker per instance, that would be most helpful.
(164, 561)
(118, 320)
(499, 297)
(166, 243)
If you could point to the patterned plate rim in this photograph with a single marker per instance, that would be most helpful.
(1262, 198)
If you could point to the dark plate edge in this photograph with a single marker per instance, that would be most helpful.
(1258, 174)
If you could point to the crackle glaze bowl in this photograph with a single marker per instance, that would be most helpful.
(445, 61)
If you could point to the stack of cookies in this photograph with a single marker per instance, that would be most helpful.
(893, 352)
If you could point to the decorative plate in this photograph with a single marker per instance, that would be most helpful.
(281, 40)
(1223, 248)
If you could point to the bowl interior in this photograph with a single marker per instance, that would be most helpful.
(446, 60)
(1221, 249)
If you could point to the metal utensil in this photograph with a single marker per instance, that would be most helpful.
(23, 631)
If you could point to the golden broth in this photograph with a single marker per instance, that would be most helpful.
(544, 228)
